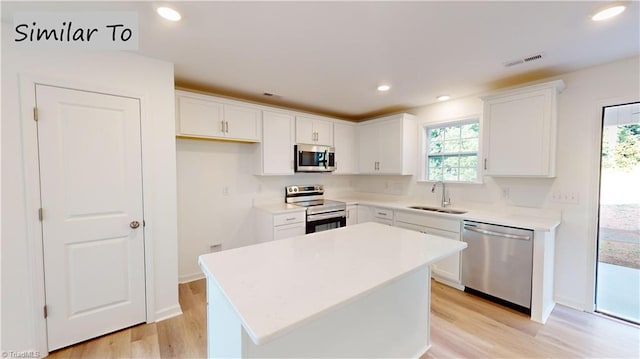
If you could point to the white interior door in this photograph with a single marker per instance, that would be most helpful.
(91, 193)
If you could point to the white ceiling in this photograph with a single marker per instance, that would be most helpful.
(329, 57)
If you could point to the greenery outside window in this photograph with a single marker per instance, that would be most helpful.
(451, 151)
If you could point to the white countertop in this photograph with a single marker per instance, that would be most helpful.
(276, 208)
(529, 218)
(277, 286)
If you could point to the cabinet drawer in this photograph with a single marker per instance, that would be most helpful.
(383, 213)
(288, 218)
(427, 220)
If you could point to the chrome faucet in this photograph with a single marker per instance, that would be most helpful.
(433, 190)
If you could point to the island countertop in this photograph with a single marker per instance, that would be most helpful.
(275, 287)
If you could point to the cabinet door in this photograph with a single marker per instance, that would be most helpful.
(304, 130)
(368, 148)
(277, 143)
(242, 123)
(365, 214)
(447, 268)
(288, 231)
(520, 134)
(197, 117)
(324, 132)
(345, 143)
(411, 226)
(352, 215)
(389, 136)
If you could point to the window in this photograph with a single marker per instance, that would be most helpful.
(451, 151)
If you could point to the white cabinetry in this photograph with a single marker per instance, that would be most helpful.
(276, 147)
(281, 225)
(388, 145)
(519, 129)
(314, 131)
(448, 269)
(375, 214)
(346, 147)
(352, 214)
(203, 116)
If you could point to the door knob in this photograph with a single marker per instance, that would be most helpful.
(134, 224)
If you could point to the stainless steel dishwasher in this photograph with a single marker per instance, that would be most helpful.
(497, 263)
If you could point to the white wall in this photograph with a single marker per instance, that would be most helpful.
(117, 71)
(206, 216)
(579, 120)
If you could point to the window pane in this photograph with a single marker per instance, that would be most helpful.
(435, 161)
(468, 174)
(471, 130)
(436, 134)
(470, 145)
(452, 133)
(451, 161)
(452, 152)
(469, 161)
(435, 147)
(451, 174)
(435, 173)
(452, 146)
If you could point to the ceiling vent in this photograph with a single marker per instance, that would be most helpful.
(533, 57)
(269, 94)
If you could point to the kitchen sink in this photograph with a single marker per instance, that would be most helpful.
(439, 209)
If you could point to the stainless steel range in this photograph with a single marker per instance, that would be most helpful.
(322, 214)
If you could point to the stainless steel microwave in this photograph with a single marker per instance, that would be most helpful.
(312, 158)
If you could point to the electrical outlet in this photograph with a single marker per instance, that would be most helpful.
(566, 197)
(572, 197)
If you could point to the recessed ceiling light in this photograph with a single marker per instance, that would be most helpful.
(383, 88)
(608, 12)
(443, 97)
(169, 13)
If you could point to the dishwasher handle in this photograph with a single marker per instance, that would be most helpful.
(497, 234)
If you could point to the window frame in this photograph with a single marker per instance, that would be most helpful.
(459, 121)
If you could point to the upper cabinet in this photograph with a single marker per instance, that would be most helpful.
(388, 145)
(210, 117)
(346, 145)
(276, 148)
(520, 130)
(314, 131)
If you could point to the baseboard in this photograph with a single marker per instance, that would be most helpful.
(190, 277)
(167, 313)
(547, 312)
(449, 283)
(570, 303)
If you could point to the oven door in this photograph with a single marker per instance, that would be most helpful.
(325, 221)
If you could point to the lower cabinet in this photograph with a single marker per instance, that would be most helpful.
(272, 226)
(447, 270)
(352, 214)
(375, 214)
(288, 230)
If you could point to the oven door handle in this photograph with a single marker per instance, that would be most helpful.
(321, 216)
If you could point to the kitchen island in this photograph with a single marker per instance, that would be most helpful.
(357, 291)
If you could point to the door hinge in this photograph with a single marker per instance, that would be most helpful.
(35, 114)
(40, 215)
(144, 224)
(46, 312)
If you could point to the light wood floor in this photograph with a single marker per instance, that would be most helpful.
(462, 326)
